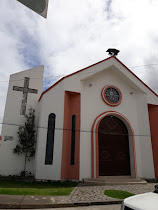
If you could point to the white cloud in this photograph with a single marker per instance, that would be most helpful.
(77, 34)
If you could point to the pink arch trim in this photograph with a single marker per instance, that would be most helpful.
(96, 123)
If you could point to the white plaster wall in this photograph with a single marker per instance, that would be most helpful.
(132, 80)
(133, 107)
(13, 164)
(90, 83)
(93, 105)
(52, 102)
(147, 169)
(151, 97)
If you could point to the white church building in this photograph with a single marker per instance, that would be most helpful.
(99, 121)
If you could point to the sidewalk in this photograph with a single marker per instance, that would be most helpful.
(82, 195)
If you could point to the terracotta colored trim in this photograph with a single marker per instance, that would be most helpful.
(104, 114)
(71, 107)
(153, 119)
(136, 76)
(104, 98)
(90, 67)
(72, 75)
(50, 88)
(92, 153)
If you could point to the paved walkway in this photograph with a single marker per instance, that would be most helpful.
(107, 207)
(81, 195)
(96, 193)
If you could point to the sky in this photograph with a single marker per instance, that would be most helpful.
(75, 35)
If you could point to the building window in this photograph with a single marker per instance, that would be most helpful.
(73, 140)
(50, 139)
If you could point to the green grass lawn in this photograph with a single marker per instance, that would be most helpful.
(36, 188)
(117, 194)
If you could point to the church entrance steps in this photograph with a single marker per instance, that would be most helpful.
(114, 180)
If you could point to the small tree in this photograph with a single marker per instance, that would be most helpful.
(26, 134)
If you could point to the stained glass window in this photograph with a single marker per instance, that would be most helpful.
(112, 95)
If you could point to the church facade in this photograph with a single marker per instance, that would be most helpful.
(99, 121)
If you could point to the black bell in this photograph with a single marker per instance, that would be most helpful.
(112, 51)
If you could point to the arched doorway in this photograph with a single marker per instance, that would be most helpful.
(113, 142)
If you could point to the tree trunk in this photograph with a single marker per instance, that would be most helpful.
(25, 164)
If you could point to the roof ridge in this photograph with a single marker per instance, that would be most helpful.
(90, 67)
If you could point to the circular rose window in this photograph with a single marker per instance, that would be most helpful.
(111, 95)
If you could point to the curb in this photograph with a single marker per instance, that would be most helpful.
(57, 205)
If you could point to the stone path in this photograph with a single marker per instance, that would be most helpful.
(81, 195)
(84, 193)
(104, 207)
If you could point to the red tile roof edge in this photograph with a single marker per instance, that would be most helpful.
(90, 67)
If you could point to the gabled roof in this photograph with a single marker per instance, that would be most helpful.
(90, 67)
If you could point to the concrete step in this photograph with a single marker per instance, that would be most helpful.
(115, 177)
(123, 180)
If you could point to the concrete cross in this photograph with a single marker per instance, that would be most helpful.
(25, 91)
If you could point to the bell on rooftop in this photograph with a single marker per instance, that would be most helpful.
(112, 51)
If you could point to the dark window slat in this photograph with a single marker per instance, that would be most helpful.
(50, 139)
(73, 140)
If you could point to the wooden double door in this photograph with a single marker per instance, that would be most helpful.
(114, 158)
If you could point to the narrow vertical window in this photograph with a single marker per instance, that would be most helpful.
(50, 139)
(73, 140)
